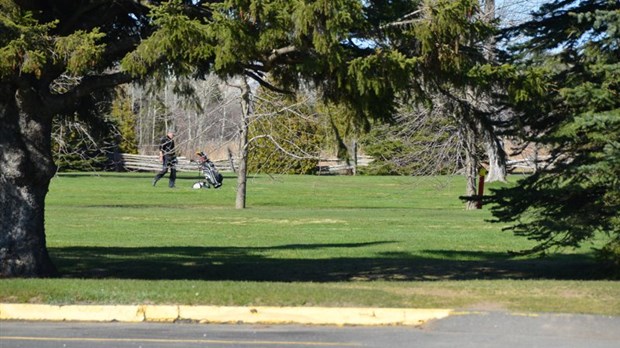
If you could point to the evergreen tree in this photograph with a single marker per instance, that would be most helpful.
(449, 40)
(55, 59)
(122, 114)
(566, 90)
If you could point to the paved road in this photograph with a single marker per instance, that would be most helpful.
(485, 329)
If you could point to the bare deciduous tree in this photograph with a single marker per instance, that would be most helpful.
(204, 114)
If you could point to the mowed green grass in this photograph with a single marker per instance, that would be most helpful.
(302, 241)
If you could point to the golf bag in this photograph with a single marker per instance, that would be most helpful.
(207, 168)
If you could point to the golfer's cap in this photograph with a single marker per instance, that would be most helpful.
(170, 131)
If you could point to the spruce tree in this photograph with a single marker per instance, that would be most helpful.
(566, 90)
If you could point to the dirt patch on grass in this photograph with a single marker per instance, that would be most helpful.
(487, 306)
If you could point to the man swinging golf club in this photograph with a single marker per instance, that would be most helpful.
(168, 158)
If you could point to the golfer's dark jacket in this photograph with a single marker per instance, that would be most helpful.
(167, 147)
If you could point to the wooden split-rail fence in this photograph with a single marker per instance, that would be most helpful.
(132, 162)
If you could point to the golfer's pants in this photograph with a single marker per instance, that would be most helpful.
(173, 172)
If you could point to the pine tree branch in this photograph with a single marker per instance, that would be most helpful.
(277, 54)
(403, 20)
(280, 52)
(86, 86)
(266, 84)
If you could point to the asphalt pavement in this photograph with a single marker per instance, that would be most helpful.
(459, 329)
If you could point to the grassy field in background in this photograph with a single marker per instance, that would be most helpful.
(302, 241)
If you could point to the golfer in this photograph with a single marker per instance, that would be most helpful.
(168, 158)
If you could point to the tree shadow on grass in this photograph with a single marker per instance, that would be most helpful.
(250, 264)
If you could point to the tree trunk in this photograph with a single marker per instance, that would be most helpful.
(497, 161)
(494, 146)
(471, 166)
(246, 109)
(26, 168)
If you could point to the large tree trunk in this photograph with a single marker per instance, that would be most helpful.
(497, 160)
(26, 168)
(494, 146)
(246, 110)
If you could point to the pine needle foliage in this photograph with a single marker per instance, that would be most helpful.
(569, 99)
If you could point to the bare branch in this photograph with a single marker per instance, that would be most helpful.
(279, 147)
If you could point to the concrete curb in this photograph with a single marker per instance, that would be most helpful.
(217, 314)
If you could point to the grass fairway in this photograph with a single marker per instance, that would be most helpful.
(302, 241)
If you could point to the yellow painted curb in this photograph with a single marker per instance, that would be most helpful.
(165, 313)
(71, 312)
(217, 314)
(311, 315)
